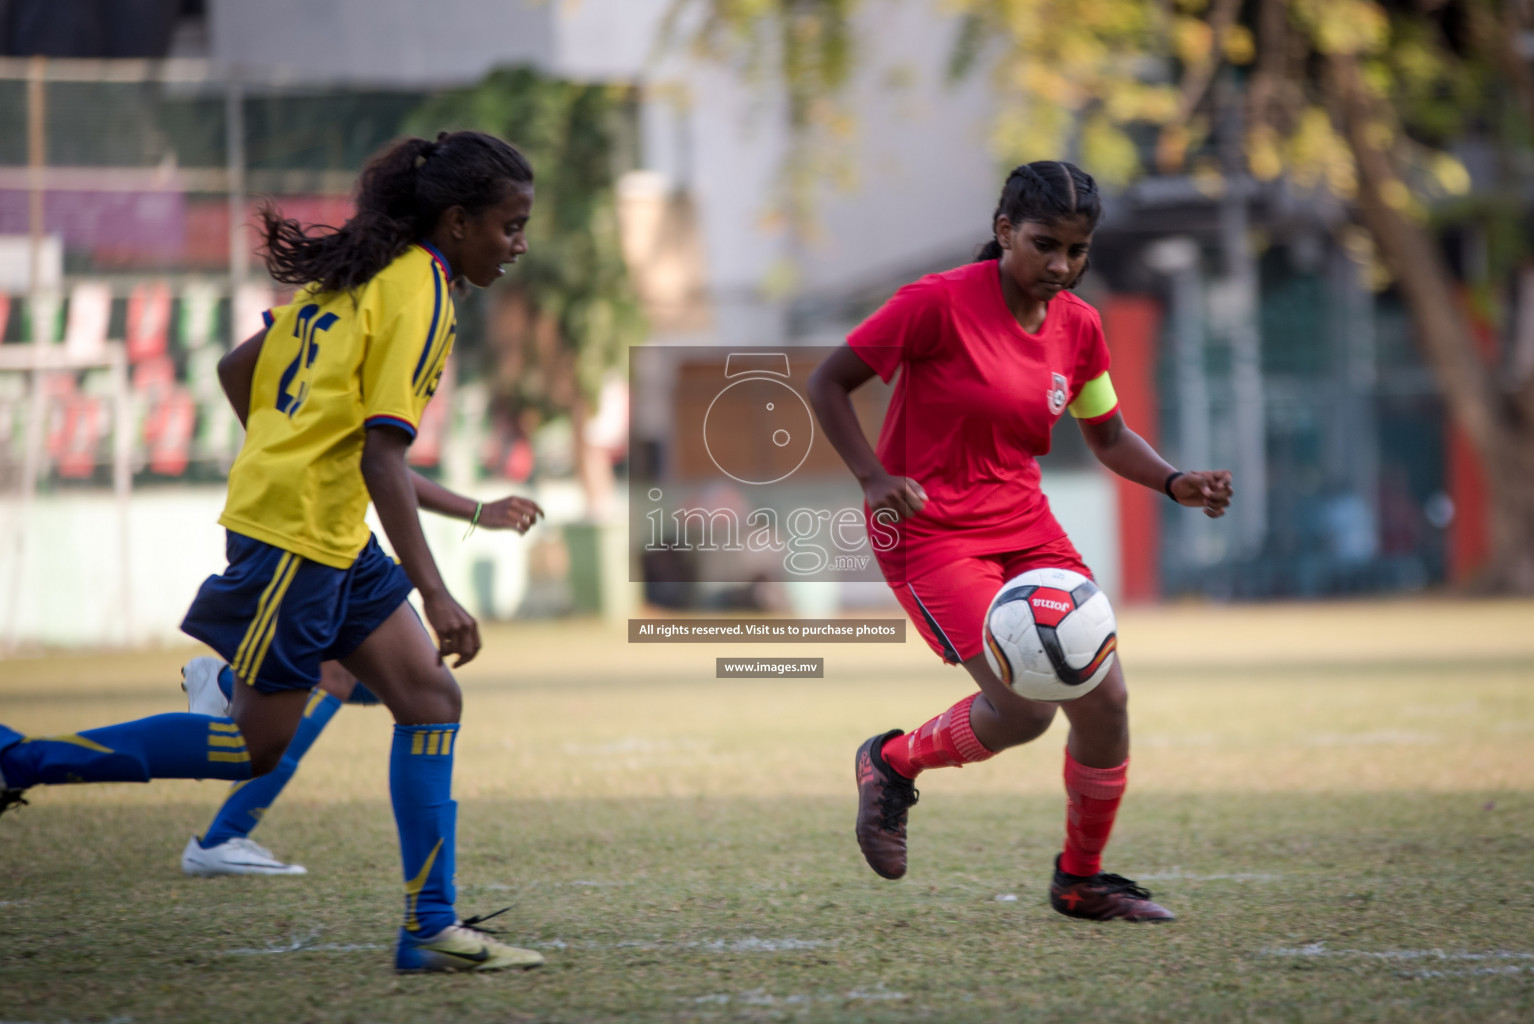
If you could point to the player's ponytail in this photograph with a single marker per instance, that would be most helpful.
(1047, 190)
(400, 196)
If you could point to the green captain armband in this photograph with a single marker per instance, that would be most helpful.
(1096, 400)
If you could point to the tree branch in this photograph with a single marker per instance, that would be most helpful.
(1197, 78)
(1419, 266)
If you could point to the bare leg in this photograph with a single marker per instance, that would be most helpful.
(1001, 718)
(401, 665)
(267, 721)
(336, 680)
(1100, 723)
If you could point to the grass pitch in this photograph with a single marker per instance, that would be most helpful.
(1337, 801)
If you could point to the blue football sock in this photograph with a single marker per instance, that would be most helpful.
(421, 788)
(174, 746)
(248, 801)
(226, 683)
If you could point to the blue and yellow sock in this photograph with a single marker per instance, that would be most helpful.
(173, 746)
(421, 788)
(248, 801)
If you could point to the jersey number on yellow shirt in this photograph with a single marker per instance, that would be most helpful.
(294, 387)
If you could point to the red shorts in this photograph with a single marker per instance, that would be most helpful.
(948, 604)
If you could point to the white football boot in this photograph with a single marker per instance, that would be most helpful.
(234, 857)
(462, 947)
(199, 678)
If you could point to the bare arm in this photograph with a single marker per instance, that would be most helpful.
(235, 373)
(831, 387)
(1128, 455)
(512, 513)
(390, 484)
(237, 369)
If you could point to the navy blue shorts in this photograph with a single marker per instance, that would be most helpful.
(275, 616)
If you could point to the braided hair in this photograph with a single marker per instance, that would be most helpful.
(400, 196)
(1046, 190)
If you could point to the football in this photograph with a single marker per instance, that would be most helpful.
(1050, 634)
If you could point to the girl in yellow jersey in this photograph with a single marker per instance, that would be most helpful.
(332, 392)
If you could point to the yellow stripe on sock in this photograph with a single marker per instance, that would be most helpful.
(223, 727)
(432, 741)
(78, 741)
(314, 701)
(231, 758)
(418, 743)
(447, 743)
(415, 885)
(271, 625)
(258, 624)
(236, 742)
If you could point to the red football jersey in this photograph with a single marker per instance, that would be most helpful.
(976, 400)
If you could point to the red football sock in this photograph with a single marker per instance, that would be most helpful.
(946, 741)
(1093, 795)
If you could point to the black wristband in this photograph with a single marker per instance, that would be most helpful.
(1168, 485)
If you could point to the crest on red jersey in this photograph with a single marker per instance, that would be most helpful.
(1056, 394)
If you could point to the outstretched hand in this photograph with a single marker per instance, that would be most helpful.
(511, 513)
(1208, 489)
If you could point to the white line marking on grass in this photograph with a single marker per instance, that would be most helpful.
(1477, 972)
(875, 994)
(755, 945)
(67, 1020)
(507, 887)
(304, 944)
(761, 997)
(749, 944)
(1318, 949)
(1006, 897)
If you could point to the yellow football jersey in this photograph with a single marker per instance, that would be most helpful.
(333, 364)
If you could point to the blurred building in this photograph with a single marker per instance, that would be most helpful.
(1242, 332)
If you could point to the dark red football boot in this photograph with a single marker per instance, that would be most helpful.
(884, 797)
(1103, 897)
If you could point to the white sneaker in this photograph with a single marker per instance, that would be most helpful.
(199, 678)
(234, 857)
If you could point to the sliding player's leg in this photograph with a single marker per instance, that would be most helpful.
(169, 746)
(226, 848)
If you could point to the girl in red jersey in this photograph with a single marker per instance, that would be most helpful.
(989, 356)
